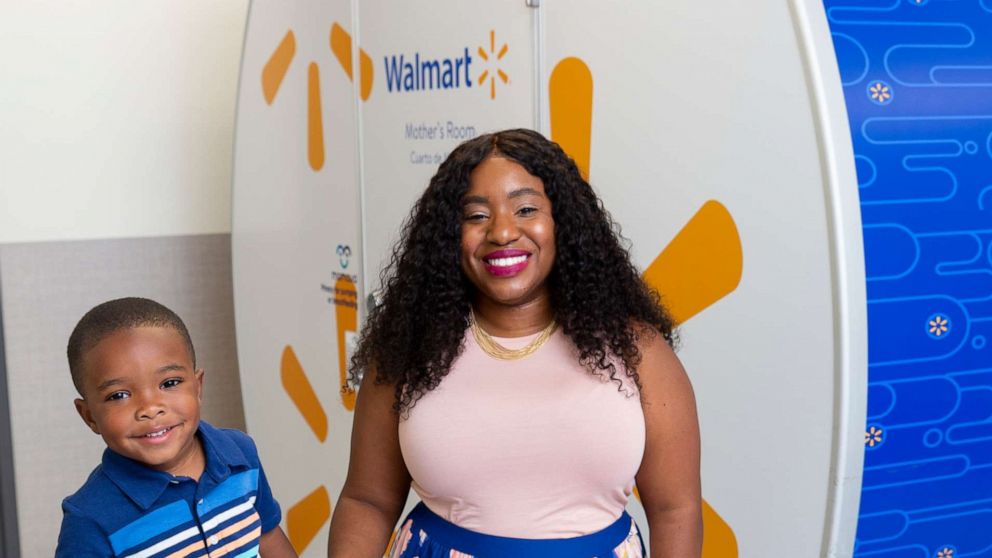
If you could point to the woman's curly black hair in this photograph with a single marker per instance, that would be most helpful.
(417, 330)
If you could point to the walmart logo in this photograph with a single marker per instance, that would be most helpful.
(405, 73)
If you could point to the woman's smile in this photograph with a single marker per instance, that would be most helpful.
(506, 263)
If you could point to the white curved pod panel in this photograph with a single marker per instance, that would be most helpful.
(706, 131)
(445, 71)
(296, 251)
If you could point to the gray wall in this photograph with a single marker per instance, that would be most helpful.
(46, 287)
(8, 516)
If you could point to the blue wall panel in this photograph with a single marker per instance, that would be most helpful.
(917, 77)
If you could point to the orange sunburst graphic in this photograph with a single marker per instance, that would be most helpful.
(493, 58)
(701, 265)
(275, 69)
(305, 518)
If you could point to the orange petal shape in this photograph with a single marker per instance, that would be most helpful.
(305, 519)
(365, 62)
(346, 317)
(341, 47)
(297, 386)
(718, 538)
(275, 69)
(701, 265)
(570, 97)
(315, 120)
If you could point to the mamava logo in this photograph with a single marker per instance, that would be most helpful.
(344, 253)
(417, 73)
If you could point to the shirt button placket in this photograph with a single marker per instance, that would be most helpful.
(213, 538)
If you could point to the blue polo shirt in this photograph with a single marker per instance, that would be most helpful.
(128, 509)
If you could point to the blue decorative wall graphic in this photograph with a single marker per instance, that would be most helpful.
(917, 77)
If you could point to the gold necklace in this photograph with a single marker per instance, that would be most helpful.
(495, 350)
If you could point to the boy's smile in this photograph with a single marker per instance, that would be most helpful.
(141, 393)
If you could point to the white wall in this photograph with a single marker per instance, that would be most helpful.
(116, 118)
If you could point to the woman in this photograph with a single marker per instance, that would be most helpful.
(520, 375)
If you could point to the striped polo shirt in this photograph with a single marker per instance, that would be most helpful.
(128, 509)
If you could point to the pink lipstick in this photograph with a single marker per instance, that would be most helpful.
(506, 263)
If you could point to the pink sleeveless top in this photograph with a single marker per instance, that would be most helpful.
(533, 448)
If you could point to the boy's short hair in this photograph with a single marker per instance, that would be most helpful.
(115, 315)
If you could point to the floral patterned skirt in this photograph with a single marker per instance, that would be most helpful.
(425, 534)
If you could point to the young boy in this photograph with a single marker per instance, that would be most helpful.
(169, 484)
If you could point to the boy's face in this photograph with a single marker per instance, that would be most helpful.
(142, 395)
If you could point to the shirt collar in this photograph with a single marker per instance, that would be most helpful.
(145, 485)
(223, 455)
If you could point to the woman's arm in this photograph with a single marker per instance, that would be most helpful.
(378, 483)
(668, 480)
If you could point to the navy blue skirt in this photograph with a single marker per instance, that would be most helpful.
(424, 534)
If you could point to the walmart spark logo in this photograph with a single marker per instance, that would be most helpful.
(493, 58)
(278, 65)
(306, 518)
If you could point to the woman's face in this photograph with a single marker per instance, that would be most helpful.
(508, 233)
